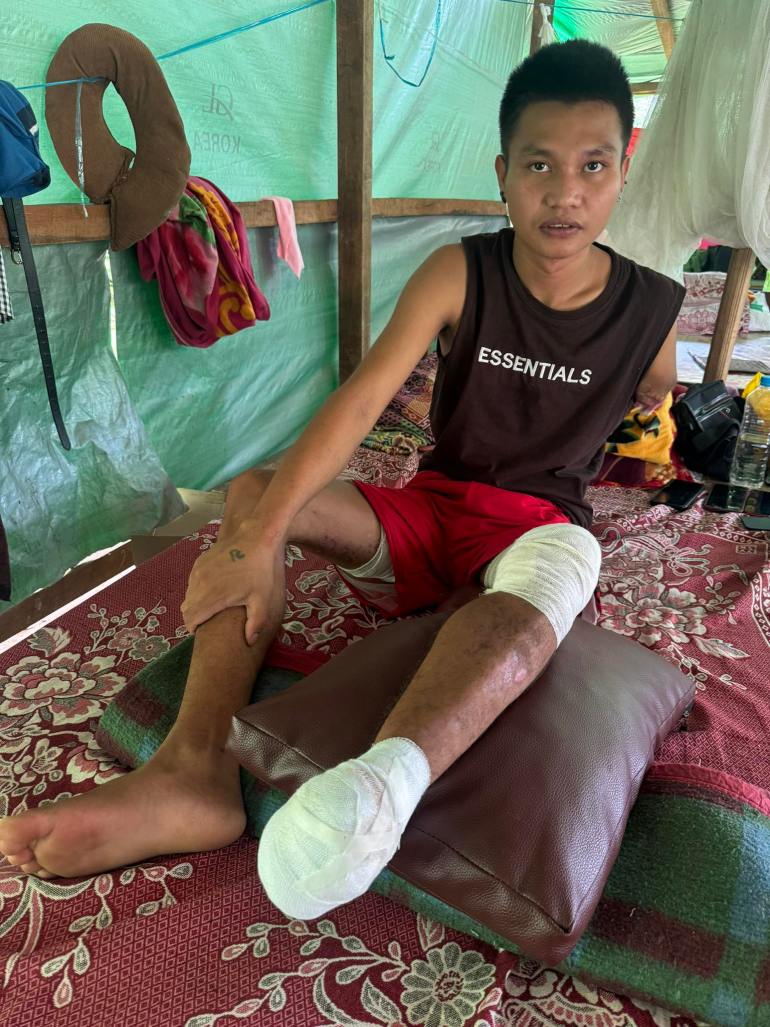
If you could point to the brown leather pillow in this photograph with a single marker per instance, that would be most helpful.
(522, 831)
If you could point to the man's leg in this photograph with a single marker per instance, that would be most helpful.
(490, 650)
(187, 797)
(485, 655)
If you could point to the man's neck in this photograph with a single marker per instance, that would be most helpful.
(566, 283)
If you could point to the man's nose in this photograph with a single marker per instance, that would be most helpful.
(564, 190)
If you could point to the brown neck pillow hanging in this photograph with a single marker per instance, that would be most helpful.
(140, 194)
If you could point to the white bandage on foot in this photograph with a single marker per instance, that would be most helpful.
(555, 568)
(330, 840)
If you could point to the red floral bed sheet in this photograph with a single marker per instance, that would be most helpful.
(193, 941)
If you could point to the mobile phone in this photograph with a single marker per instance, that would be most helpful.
(680, 495)
(756, 523)
(726, 499)
(758, 504)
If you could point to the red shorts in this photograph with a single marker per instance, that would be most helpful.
(442, 533)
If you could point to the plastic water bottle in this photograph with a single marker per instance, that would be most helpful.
(753, 443)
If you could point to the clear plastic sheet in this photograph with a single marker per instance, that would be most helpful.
(59, 507)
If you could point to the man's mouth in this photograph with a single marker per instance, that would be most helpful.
(560, 229)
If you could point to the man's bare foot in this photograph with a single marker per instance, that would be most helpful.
(167, 806)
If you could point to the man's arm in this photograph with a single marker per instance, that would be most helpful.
(660, 377)
(432, 298)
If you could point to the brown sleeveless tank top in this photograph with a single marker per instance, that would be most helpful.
(528, 395)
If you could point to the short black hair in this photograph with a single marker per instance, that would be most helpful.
(571, 72)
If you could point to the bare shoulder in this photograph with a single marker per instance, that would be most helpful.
(450, 261)
(445, 274)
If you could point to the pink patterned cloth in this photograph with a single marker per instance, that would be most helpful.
(695, 587)
(699, 310)
(288, 243)
(200, 257)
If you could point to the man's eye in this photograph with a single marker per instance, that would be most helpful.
(594, 166)
(538, 165)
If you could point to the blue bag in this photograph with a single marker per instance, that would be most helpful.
(22, 171)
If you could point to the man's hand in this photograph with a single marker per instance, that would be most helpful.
(646, 401)
(242, 570)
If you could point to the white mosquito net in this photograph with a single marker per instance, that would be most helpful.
(703, 163)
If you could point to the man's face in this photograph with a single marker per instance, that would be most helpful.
(565, 171)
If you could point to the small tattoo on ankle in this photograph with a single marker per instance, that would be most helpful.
(236, 554)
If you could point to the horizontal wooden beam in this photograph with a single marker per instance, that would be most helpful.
(81, 579)
(644, 88)
(65, 223)
(396, 208)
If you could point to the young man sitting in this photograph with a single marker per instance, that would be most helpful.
(546, 338)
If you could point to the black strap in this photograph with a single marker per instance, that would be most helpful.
(5, 567)
(21, 253)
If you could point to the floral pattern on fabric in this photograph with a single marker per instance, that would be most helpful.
(194, 941)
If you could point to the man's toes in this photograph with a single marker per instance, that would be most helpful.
(33, 868)
(22, 832)
(15, 859)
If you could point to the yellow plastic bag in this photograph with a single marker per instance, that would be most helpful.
(753, 384)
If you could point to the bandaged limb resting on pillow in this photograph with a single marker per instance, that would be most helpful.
(329, 842)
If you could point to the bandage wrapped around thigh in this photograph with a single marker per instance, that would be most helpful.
(555, 568)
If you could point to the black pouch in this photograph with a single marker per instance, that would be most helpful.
(708, 420)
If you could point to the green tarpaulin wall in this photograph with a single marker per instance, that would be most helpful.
(259, 111)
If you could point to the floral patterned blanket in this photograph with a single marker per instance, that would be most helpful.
(695, 586)
(194, 941)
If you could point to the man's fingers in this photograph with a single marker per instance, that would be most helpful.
(191, 622)
(254, 624)
(195, 615)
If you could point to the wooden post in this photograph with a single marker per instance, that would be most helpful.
(354, 180)
(537, 24)
(662, 10)
(729, 316)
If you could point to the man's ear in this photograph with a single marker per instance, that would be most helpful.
(624, 169)
(500, 170)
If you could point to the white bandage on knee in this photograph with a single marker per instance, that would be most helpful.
(555, 568)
